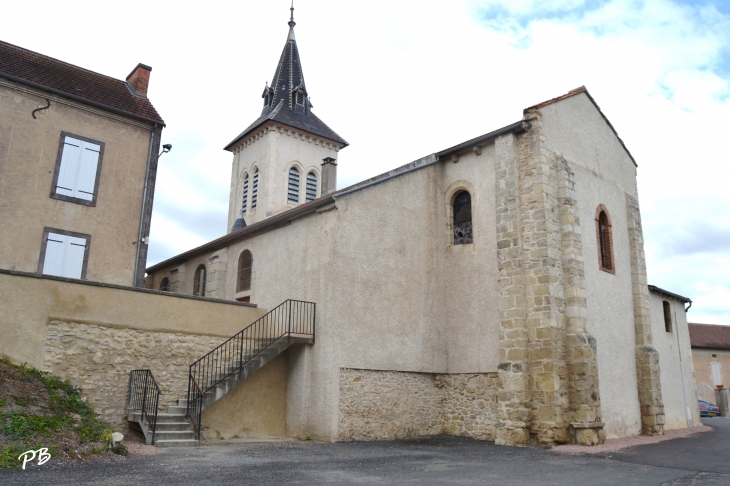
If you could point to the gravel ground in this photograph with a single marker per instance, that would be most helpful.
(423, 461)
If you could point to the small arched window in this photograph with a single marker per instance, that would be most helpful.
(245, 264)
(311, 186)
(245, 194)
(462, 219)
(605, 240)
(293, 189)
(667, 316)
(165, 284)
(199, 281)
(255, 190)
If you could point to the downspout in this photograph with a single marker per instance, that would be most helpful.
(144, 205)
(687, 413)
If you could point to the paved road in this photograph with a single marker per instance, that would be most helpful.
(699, 460)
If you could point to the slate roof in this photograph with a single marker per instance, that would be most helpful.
(33, 69)
(279, 98)
(714, 336)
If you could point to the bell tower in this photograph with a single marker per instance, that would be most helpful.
(288, 156)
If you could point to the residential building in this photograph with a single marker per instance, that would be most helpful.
(78, 163)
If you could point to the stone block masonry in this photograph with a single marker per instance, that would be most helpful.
(377, 405)
(98, 359)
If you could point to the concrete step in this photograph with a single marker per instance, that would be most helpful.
(174, 409)
(161, 417)
(172, 426)
(177, 443)
(174, 435)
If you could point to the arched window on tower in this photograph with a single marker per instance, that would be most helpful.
(605, 240)
(165, 284)
(255, 190)
(245, 194)
(245, 264)
(199, 281)
(462, 219)
(293, 189)
(311, 186)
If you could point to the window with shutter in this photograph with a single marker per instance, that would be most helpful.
(311, 186)
(78, 167)
(293, 190)
(245, 194)
(64, 253)
(255, 190)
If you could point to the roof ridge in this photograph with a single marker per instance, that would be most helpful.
(64, 62)
(707, 324)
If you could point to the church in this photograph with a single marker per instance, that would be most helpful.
(496, 289)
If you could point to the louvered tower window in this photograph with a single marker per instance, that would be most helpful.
(293, 192)
(245, 194)
(311, 186)
(255, 190)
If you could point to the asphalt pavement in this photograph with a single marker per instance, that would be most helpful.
(702, 459)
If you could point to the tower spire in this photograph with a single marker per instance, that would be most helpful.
(291, 22)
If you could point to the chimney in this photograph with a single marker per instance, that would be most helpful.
(329, 175)
(139, 79)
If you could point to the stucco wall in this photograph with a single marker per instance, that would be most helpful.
(702, 360)
(274, 149)
(604, 173)
(382, 270)
(678, 384)
(95, 335)
(28, 152)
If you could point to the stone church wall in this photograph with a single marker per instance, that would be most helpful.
(376, 405)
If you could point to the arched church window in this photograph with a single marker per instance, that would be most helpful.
(199, 281)
(255, 190)
(245, 194)
(293, 189)
(311, 186)
(605, 240)
(245, 264)
(462, 219)
(165, 284)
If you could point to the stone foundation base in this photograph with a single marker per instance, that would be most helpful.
(392, 404)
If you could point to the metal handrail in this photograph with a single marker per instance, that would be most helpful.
(144, 394)
(291, 317)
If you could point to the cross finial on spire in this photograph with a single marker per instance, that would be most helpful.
(291, 19)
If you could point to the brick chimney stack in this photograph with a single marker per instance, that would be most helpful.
(139, 79)
(329, 175)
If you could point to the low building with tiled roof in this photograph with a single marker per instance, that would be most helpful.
(711, 357)
(78, 152)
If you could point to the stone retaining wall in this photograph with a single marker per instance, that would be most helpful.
(391, 404)
(98, 359)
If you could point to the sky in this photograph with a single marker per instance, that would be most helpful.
(401, 80)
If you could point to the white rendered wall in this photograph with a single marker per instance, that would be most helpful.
(604, 174)
(274, 149)
(678, 384)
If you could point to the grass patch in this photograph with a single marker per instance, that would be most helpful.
(42, 410)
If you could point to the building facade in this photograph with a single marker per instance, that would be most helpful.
(495, 289)
(711, 357)
(78, 162)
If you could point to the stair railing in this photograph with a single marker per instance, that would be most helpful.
(144, 394)
(290, 319)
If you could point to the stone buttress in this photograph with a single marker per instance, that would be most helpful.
(548, 376)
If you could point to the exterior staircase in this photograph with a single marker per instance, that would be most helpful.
(217, 373)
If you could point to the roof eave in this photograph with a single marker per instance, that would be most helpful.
(657, 290)
(259, 125)
(81, 99)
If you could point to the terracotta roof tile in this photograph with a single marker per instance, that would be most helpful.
(714, 336)
(28, 67)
